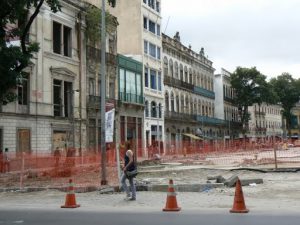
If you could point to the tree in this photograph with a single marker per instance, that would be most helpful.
(14, 26)
(250, 87)
(288, 91)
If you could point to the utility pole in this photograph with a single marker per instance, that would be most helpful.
(103, 95)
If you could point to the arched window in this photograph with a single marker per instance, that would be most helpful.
(171, 68)
(190, 76)
(177, 103)
(153, 110)
(187, 105)
(181, 72)
(166, 102)
(165, 66)
(185, 74)
(176, 70)
(195, 107)
(159, 110)
(146, 109)
(182, 105)
(172, 103)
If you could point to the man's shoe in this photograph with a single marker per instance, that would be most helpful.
(132, 199)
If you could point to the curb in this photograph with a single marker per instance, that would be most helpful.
(116, 189)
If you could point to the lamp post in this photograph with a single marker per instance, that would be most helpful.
(103, 95)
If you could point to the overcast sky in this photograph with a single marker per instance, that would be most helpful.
(247, 33)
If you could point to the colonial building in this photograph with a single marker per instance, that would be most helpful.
(189, 96)
(130, 107)
(50, 110)
(225, 109)
(265, 122)
(93, 84)
(139, 37)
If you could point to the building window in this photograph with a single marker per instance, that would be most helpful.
(146, 77)
(153, 79)
(92, 86)
(159, 110)
(159, 81)
(62, 39)
(152, 26)
(152, 50)
(157, 6)
(23, 140)
(158, 30)
(145, 47)
(23, 91)
(146, 109)
(158, 52)
(151, 3)
(153, 110)
(62, 98)
(145, 23)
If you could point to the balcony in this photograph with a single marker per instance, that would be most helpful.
(131, 98)
(94, 101)
(228, 99)
(170, 81)
(95, 55)
(204, 92)
(180, 116)
(260, 129)
(259, 113)
(210, 120)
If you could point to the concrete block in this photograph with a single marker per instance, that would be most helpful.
(230, 182)
(246, 182)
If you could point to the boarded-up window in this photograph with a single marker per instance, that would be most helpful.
(24, 138)
(59, 140)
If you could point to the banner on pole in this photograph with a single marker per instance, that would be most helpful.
(109, 125)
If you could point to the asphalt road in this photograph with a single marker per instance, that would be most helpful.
(79, 217)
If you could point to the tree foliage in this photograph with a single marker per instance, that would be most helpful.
(93, 20)
(288, 91)
(14, 25)
(250, 87)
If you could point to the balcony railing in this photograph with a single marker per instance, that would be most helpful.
(94, 101)
(204, 92)
(179, 116)
(210, 120)
(184, 85)
(95, 54)
(178, 83)
(259, 113)
(131, 98)
(228, 99)
(260, 129)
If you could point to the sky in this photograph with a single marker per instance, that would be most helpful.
(246, 33)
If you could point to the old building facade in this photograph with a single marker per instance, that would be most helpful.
(49, 112)
(139, 37)
(189, 96)
(225, 108)
(265, 122)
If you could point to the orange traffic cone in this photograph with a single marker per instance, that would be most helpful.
(70, 197)
(239, 202)
(171, 204)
